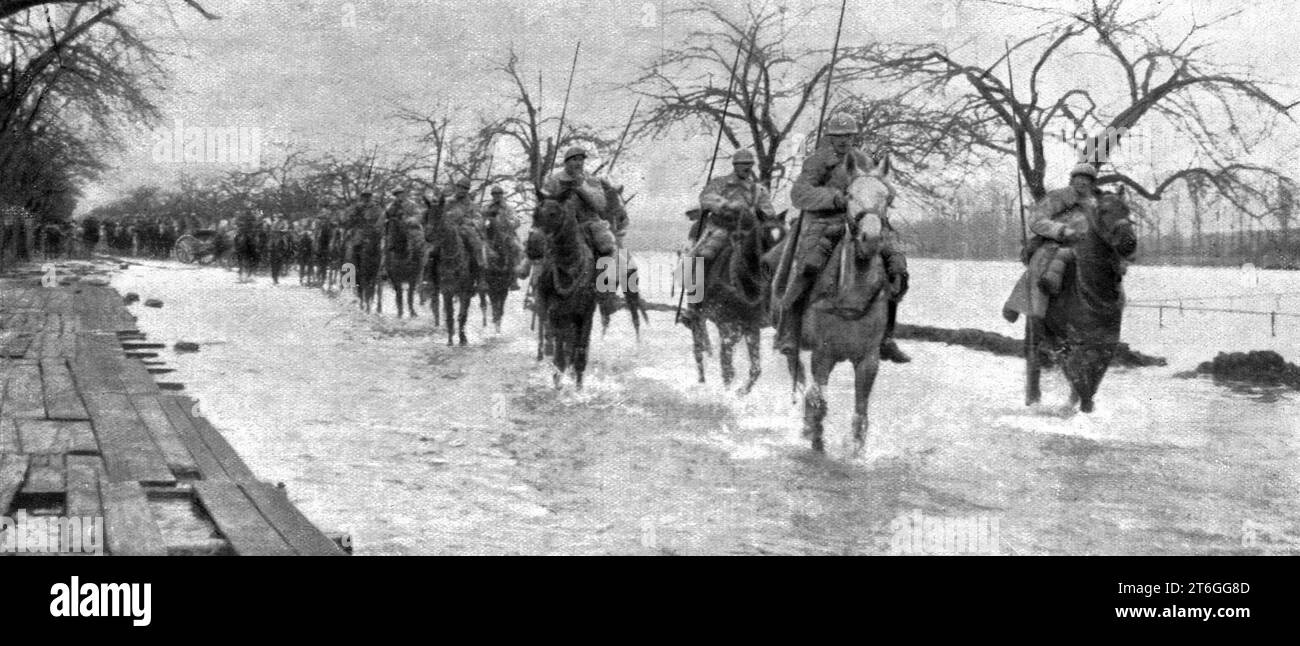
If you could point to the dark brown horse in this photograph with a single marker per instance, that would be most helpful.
(247, 253)
(455, 275)
(503, 261)
(362, 252)
(1082, 325)
(279, 252)
(566, 289)
(404, 261)
(736, 289)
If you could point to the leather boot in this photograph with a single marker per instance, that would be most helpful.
(791, 308)
(889, 350)
(896, 273)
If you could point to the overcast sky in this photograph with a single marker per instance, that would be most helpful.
(326, 73)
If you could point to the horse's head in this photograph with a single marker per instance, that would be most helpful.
(548, 216)
(869, 193)
(1114, 227)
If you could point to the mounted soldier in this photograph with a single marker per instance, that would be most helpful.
(583, 196)
(397, 218)
(501, 232)
(364, 216)
(1060, 220)
(820, 193)
(462, 215)
(731, 203)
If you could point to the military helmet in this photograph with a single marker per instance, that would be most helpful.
(841, 123)
(1084, 169)
(575, 151)
(367, 193)
(742, 157)
(497, 190)
(463, 183)
(398, 191)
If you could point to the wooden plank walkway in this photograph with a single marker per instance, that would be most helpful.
(86, 431)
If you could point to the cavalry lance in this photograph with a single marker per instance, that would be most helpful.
(792, 240)
(550, 163)
(622, 138)
(1031, 348)
(698, 227)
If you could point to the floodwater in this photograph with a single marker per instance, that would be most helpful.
(379, 429)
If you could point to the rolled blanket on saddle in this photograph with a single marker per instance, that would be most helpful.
(1041, 279)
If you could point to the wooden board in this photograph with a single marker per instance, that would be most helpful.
(239, 520)
(292, 525)
(97, 366)
(9, 436)
(13, 470)
(56, 436)
(230, 460)
(136, 378)
(44, 474)
(206, 461)
(61, 398)
(129, 526)
(130, 454)
(230, 463)
(178, 457)
(24, 396)
(82, 486)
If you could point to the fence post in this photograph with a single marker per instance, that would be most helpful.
(1272, 323)
(1162, 317)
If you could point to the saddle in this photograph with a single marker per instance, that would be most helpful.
(849, 283)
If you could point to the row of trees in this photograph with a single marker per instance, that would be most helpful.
(73, 76)
(1189, 226)
(946, 111)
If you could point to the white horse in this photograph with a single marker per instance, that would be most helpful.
(848, 312)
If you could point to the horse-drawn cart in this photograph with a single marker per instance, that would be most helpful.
(200, 247)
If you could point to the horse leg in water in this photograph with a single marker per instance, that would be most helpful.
(632, 298)
(410, 294)
(562, 330)
(397, 294)
(449, 309)
(581, 340)
(727, 338)
(465, 300)
(753, 343)
(483, 304)
(814, 400)
(498, 298)
(1084, 366)
(435, 292)
(541, 336)
(864, 372)
(699, 339)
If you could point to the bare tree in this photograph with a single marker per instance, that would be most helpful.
(776, 85)
(531, 131)
(1176, 78)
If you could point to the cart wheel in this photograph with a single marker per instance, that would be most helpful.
(183, 250)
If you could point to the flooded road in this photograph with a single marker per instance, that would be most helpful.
(378, 428)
